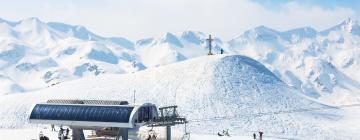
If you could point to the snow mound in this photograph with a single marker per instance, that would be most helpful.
(204, 87)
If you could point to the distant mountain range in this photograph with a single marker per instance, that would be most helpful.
(322, 65)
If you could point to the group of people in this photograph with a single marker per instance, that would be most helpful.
(42, 136)
(260, 135)
(151, 135)
(224, 133)
(63, 133)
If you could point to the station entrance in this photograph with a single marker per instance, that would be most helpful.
(105, 117)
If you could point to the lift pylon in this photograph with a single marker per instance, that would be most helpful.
(168, 117)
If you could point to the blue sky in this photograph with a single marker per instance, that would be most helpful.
(135, 19)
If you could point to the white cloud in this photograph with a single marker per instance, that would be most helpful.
(142, 18)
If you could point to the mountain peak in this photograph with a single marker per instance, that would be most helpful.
(32, 22)
(31, 19)
(260, 32)
(304, 32)
(349, 25)
(168, 34)
(349, 21)
(191, 36)
(171, 38)
(264, 29)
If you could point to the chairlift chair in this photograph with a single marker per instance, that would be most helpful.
(186, 135)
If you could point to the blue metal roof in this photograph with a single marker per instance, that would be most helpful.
(118, 114)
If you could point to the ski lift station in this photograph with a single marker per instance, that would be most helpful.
(121, 116)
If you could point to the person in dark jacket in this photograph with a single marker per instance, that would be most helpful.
(41, 135)
(61, 134)
(53, 127)
(261, 134)
(254, 135)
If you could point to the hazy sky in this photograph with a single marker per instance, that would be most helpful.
(135, 19)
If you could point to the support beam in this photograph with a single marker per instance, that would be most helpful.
(168, 132)
(77, 134)
(125, 134)
(118, 135)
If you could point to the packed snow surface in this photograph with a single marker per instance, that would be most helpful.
(203, 88)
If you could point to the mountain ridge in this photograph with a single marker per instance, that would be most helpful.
(314, 62)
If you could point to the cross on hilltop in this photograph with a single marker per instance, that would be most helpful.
(210, 41)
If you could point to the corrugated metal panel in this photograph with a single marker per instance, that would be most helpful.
(94, 102)
(118, 114)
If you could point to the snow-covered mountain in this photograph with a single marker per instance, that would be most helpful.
(34, 54)
(205, 87)
(171, 48)
(322, 65)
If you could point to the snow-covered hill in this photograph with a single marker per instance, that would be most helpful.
(205, 87)
(322, 65)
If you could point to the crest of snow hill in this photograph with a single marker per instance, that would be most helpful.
(262, 67)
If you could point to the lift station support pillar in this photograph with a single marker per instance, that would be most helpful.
(168, 132)
(124, 133)
(78, 134)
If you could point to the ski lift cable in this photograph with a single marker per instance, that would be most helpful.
(274, 113)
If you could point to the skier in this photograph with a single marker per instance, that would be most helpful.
(153, 137)
(254, 135)
(67, 132)
(61, 129)
(41, 135)
(53, 127)
(221, 51)
(261, 133)
(220, 134)
(61, 134)
(226, 132)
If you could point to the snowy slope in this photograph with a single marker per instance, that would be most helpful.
(50, 53)
(323, 65)
(205, 87)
